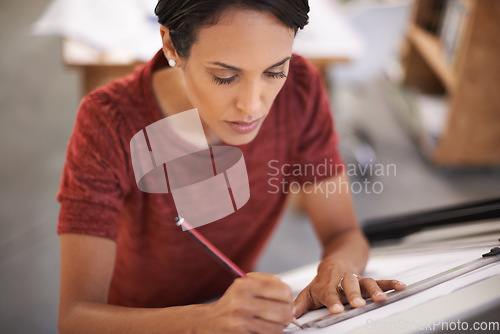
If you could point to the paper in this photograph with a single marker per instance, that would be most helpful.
(126, 27)
(407, 268)
(127, 30)
(328, 34)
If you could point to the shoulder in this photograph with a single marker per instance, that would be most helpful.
(301, 68)
(107, 99)
(121, 103)
(302, 74)
(131, 93)
(304, 93)
(304, 84)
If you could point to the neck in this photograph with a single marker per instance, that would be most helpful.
(171, 97)
(170, 91)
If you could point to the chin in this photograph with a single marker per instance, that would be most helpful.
(238, 140)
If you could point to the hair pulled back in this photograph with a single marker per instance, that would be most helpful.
(184, 18)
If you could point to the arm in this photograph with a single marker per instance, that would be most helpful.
(335, 224)
(345, 251)
(258, 303)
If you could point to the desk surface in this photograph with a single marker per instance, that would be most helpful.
(411, 261)
(90, 43)
(327, 39)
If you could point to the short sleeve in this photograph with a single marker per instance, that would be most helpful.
(317, 143)
(91, 192)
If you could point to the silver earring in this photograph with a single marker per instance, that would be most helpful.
(172, 63)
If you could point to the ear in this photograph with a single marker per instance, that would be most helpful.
(168, 47)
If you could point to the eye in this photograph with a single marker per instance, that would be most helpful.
(276, 75)
(223, 81)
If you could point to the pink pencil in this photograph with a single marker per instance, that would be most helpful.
(210, 247)
(215, 252)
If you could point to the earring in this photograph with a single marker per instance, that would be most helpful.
(172, 62)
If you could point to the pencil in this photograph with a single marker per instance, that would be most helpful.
(215, 252)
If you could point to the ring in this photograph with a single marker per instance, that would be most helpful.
(339, 286)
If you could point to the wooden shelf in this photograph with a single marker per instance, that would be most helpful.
(430, 49)
(467, 74)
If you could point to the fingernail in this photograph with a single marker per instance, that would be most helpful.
(336, 308)
(379, 295)
(400, 285)
(294, 311)
(356, 302)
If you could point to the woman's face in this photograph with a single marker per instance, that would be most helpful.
(235, 70)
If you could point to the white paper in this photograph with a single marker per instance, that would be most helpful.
(126, 30)
(126, 27)
(407, 268)
(328, 34)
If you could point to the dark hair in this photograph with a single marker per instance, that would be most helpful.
(184, 18)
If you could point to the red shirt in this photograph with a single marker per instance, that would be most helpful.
(157, 264)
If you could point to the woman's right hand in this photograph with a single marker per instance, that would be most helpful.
(258, 303)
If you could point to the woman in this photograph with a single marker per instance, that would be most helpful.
(125, 266)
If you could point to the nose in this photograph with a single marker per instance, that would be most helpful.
(249, 100)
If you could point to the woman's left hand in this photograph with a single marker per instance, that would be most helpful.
(336, 283)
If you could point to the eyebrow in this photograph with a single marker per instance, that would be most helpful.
(230, 67)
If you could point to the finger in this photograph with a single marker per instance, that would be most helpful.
(386, 285)
(371, 289)
(302, 303)
(272, 311)
(264, 276)
(269, 286)
(332, 300)
(259, 325)
(350, 285)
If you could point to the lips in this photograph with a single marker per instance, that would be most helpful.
(243, 127)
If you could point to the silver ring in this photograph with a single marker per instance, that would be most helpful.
(339, 286)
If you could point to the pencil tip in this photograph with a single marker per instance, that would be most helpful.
(179, 221)
(296, 323)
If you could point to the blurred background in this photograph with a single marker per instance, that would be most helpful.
(411, 85)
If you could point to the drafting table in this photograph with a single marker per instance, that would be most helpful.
(327, 39)
(468, 298)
